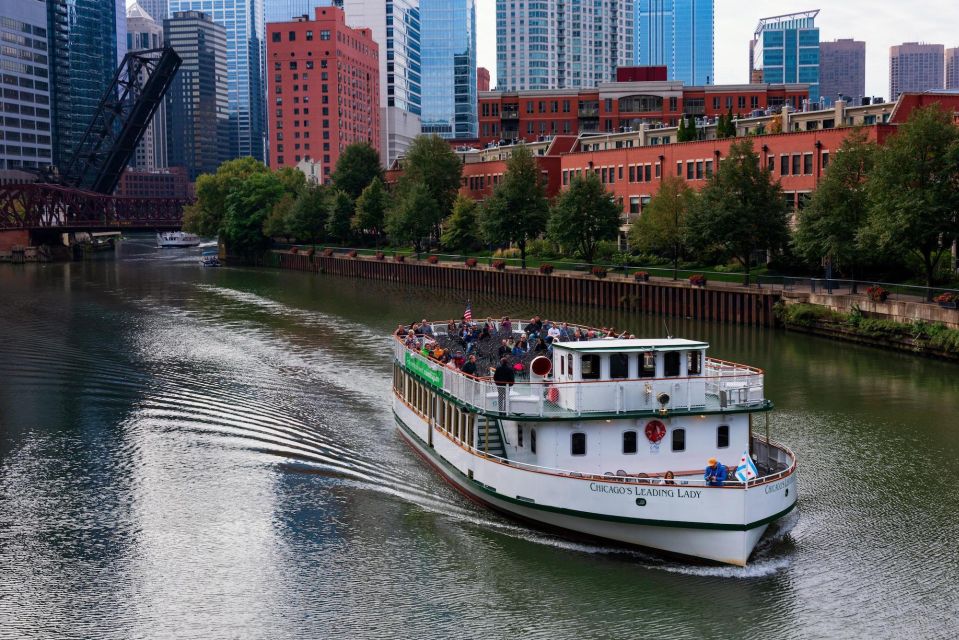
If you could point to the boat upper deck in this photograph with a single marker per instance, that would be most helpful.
(588, 377)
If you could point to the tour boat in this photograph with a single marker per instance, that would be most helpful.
(177, 239)
(584, 441)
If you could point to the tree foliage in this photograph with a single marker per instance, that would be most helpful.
(740, 208)
(432, 163)
(662, 228)
(279, 222)
(357, 166)
(412, 216)
(339, 216)
(205, 216)
(914, 190)
(518, 210)
(248, 205)
(829, 227)
(584, 215)
(371, 206)
(461, 228)
(307, 219)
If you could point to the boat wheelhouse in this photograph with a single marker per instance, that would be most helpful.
(176, 239)
(585, 439)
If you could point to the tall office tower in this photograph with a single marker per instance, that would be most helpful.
(245, 49)
(326, 84)
(786, 50)
(25, 137)
(842, 70)
(915, 67)
(286, 10)
(677, 34)
(144, 33)
(555, 44)
(952, 68)
(396, 28)
(448, 52)
(121, 22)
(158, 9)
(83, 61)
(198, 123)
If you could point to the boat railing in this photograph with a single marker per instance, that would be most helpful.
(723, 385)
(762, 451)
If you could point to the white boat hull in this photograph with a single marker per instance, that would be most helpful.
(177, 240)
(717, 524)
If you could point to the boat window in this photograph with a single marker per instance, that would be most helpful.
(695, 362)
(671, 363)
(519, 436)
(618, 365)
(629, 442)
(648, 370)
(679, 439)
(569, 364)
(532, 440)
(562, 366)
(578, 444)
(590, 366)
(722, 436)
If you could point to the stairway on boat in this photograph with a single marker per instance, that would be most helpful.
(494, 443)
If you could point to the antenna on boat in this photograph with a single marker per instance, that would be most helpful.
(669, 336)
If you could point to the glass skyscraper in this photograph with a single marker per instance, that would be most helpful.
(245, 52)
(786, 49)
(286, 10)
(677, 34)
(448, 52)
(83, 60)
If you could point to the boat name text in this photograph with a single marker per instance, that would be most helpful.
(647, 492)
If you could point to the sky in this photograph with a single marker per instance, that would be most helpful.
(881, 23)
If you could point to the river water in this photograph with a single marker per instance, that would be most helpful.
(189, 452)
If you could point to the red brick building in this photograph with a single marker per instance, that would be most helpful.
(173, 182)
(616, 106)
(323, 89)
(482, 79)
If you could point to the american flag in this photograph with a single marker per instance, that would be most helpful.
(468, 314)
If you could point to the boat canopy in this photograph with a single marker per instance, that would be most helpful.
(631, 345)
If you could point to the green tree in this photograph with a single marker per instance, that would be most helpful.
(432, 163)
(279, 222)
(721, 126)
(662, 229)
(517, 210)
(741, 208)
(340, 216)
(682, 133)
(371, 206)
(248, 205)
(584, 215)
(292, 179)
(308, 215)
(829, 227)
(205, 216)
(914, 189)
(461, 229)
(357, 166)
(411, 219)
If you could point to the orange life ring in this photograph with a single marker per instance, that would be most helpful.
(655, 431)
(552, 394)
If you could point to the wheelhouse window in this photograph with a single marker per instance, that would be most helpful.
(519, 436)
(590, 367)
(578, 444)
(569, 364)
(618, 365)
(532, 440)
(695, 365)
(722, 436)
(679, 439)
(629, 442)
(648, 365)
(671, 363)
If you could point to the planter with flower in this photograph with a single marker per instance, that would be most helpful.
(599, 272)
(352, 254)
(641, 276)
(433, 259)
(499, 265)
(471, 262)
(399, 257)
(697, 280)
(877, 293)
(546, 269)
(310, 252)
(380, 255)
(293, 250)
(327, 252)
(948, 300)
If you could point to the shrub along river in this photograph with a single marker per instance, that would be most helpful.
(189, 452)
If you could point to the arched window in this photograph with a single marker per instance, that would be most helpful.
(679, 439)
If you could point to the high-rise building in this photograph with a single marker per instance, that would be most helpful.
(83, 61)
(677, 34)
(25, 136)
(245, 48)
(158, 9)
(482, 79)
(198, 124)
(915, 67)
(396, 28)
(286, 10)
(325, 88)
(144, 33)
(952, 68)
(842, 70)
(786, 49)
(555, 44)
(448, 52)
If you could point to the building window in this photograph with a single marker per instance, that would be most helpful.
(741, 102)
(679, 168)
(325, 34)
(825, 159)
(784, 165)
(679, 440)
(292, 36)
(578, 444)
(632, 173)
(796, 160)
(618, 365)
(646, 172)
(276, 36)
(590, 362)
(771, 163)
(309, 35)
(634, 205)
(689, 170)
(673, 104)
(807, 164)
(722, 436)
(629, 442)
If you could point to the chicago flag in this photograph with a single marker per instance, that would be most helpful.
(747, 468)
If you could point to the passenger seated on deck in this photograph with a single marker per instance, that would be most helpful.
(451, 328)
(715, 473)
(469, 367)
(400, 331)
(669, 478)
(459, 359)
(426, 328)
(504, 349)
